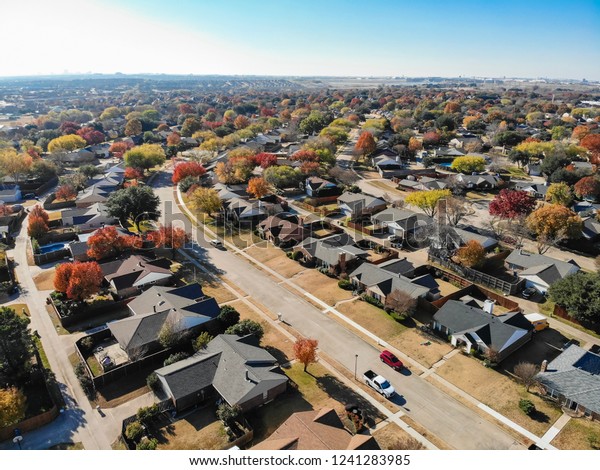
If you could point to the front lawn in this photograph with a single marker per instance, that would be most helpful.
(321, 286)
(579, 434)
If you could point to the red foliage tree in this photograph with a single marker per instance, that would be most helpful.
(305, 350)
(133, 173)
(310, 168)
(187, 169)
(85, 280)
(185, 108)
(118, 149)
(68, 127)
(241, 122)
(365, 145)
(37, 226)
(588, 186)
(592, 143)
(66, 192)
(265, 160)
(431, 138)
(62, 275)
(305, 156)
(267, 112)
(174, 139)
(106, 242)
(91, 135)
(168, 236)
(38, 211)
(509, 204)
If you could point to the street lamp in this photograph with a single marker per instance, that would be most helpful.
(355, 364)
(17, 440)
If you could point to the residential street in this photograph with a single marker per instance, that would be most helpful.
(423, 402)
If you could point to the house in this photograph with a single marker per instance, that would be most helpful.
(379, 282)
(591, 229)
(10, 193)
(467, 233)
(478, 182)
(425, 183)
(316, 430)
(184, 309)
(336, 252)
(482, 330)
(586, 208)
(246, 211)
(282, 230)
(355, 205)
(533, 169)
(235, 368)
(445, 152)
(539, 271)
(388, 164)
(78, 157)
(537, 191)
(573, 379)
(318, 187)
(100, 150)
(86, 218)
(583, 168)
(400, 222)
(131, 275)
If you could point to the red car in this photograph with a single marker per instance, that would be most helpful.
(391, 360)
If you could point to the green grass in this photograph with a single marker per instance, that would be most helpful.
(38, 344)
(21, 309)
(94, 366)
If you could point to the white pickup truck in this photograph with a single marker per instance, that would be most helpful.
(379, 383)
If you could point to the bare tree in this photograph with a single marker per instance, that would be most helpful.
(401, 302)
(457, 209)
(526, 372)
(343, 176)
(517, 230)
(492, 355)
(405, 442)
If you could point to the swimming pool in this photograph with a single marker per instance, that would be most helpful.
(52, 247)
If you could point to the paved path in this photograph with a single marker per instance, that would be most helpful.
(556, 428)
(441, 414)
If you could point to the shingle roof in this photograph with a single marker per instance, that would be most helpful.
(330, 248)
(575, 373)
(385, 282)
(357, 200)
(135, 270)
(525, 260)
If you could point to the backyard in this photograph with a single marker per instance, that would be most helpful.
(198, 430)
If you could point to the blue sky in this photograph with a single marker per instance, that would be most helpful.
(305, 37)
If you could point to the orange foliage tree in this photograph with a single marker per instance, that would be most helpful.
(37, 226)
(65, 192)
(186, 169)
(118, 149)
(366, 144)
(592, 143)
(168, 236)
(471, 255)
(78, 280)
(305, 350)
(107, 241)
(258, 187)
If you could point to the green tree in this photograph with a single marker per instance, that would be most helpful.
(313, 123)
(246, 327)
(134, 204)
(228, 316)
(16, 347)
(579, 294)
(145, 156)
(134, 431)
(468, 164)
(133, 127)
(559, 193)
(89, 171)
(202, 341)
(282, 176)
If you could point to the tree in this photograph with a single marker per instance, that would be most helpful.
(258, 187)
(468, 164)
(190, 125)
(228, 414)
(112, 112)
(36, 227)
(76, 180)
(134, 431)
(91, 135)
(457, 209)
(145, 156)
(552, 224)
(168, 336)
(246, 327)
(414, 145)
(13, 405)
(526, 372)
(592, 143)
(431, 138)
(559, 193)
(133, 127)
(282, 176)
(427, 200)
(133, 173)
(202, 341)
(168, 236)
(66, 143)
(265, 160)
(89, 171)
(305, 350)
(183, 170)
(118, 149)
(471, 255)
(400, 302)
(14, 165)
(174, 139)
(206, 200)
(43, 170)
(588, 187)
(365, 145)
(313, 123)
(105, 242)
(134, 204)
(16, 346)
(65, 192)
(62, 274)
(84, 281)
(241, 122)
(228, 316)
(526, 406)
(579, 294)
(509, 204)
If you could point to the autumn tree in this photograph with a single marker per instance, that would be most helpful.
(118, 149)
(168, 236)
(14, 165)
(134, 204)
(592, 143)
(427, 200)
(16, 347)
(185, 169)
(84, 280)
(400, 302)
(174, 139)
(105, 242)
(471, 255)
(457, 209)
(190, 125)
(559, 193)
(206, 200)
(305, 351)
(588, 187)
(91, 135)
(62, 274)
(258, 187)
(65, 192)
(553, 224)
(66, 143)
(133, 127)
(265, 160)
(13, 406)
(145, 156)
(365, 144)
(431, 139)
(241, 122)
(133, 173)
(37, 226)
(468, 164)
(509, 204)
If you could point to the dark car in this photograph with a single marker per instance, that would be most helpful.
(391, 360)
(529, 292)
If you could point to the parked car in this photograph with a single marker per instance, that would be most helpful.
(216, 243)
(529, 292)
(388, 358)
(30, 196)
(379, 383)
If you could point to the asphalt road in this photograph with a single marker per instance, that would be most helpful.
(441, 414)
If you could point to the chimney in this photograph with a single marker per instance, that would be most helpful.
(544, 366)
(488, 306)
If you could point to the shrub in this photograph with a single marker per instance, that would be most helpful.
(147, 414)
(87, 343)
(527, 407)
(345, 284)
(134, 431)
(202, 341)
(228, 414)
(372, 301)
(153, 382)
(246, 327)
(296, 255)
(228, 316)
(35, 246)
(147, 444)
(186, 183)
(399, 317)
(173, 358)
